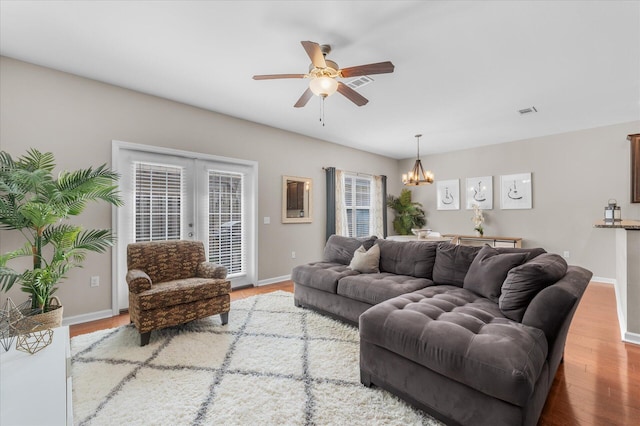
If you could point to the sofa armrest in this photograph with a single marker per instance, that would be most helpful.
(552, 309)
(138, 281)
(211, 270)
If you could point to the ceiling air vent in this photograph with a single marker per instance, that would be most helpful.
(359, 82)
(529, 110)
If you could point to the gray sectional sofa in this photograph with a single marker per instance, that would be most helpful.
(471, 335)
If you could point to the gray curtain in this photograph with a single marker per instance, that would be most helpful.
(384, 206)
(331, 201)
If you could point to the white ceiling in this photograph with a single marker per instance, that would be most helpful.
(463, 69)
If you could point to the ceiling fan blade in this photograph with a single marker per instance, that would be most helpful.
(351, 94)
(377, 68)
(315, 53)
(304, 98)
(274, 76)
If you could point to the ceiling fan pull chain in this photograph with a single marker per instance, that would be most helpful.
(322, 110)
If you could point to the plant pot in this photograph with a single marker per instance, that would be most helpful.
(52, 318)
(478, 234)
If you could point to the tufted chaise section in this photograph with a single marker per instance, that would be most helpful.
(376, 288)
(463, 336)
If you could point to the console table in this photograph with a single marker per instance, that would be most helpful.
(36, 389)
(472, 240)
(627, 276)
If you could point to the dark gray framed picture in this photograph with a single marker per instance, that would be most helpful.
(515, 191)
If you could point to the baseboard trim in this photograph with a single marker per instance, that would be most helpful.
(604, 280)
(632, 338)
(92, 316)
(273, 280)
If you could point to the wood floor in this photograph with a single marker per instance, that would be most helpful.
(597, 384)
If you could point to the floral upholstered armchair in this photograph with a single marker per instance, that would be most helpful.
(171, 283)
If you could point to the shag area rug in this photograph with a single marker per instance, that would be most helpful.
(273, 364)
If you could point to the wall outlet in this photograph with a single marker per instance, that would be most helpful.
(267, 220)
(95, 281)
(566, 254)
(293, 254)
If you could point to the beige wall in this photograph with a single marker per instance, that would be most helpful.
(574, 174)
(77, 118)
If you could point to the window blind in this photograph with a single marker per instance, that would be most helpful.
(358, 205)
(158, 202)
(226, 221)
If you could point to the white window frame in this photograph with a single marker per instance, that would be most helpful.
(354, 207)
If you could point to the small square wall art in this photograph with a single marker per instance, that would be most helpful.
(480, 192)
(515, 191)
(448, 194)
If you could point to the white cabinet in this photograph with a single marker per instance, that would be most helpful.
(36, 389)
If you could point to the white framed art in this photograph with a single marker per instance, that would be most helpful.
(480, 191)
(515, 191)
(448, 194)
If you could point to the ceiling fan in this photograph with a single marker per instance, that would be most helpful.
(323, 74)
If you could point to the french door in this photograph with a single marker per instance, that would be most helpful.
(177, 195)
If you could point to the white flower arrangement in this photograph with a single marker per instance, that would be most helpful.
(478, 219)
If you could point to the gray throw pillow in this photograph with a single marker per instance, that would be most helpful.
(524, 282)
(489, 270)
(452, 263)
(340, 249)
(366, 261)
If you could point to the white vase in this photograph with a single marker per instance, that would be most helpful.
(478, 234)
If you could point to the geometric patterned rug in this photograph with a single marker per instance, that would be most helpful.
(271, 364)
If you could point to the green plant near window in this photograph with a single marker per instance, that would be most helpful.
(408, 214)
(36, 204)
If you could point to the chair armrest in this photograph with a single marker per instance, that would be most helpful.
(138, 281)
(211, 270)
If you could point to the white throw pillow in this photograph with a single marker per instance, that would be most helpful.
(366, 261)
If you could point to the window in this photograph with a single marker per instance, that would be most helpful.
(357, 193)
(226, 221)
(158, 201)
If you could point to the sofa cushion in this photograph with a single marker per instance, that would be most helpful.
(532, 251)
(524, 282)
(366, 261)
(452, 263)
(339, 249)
(321, 275)
(462, 336)
(178, 292)
(413, 258)
(376, 288)
(488, 271)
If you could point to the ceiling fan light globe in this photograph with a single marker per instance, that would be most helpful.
(323, 86)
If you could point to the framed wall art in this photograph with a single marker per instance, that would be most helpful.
(480, 191)
(448, 194)
(515, 191)
(635, 167)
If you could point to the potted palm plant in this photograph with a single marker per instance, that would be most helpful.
(409, 214)
(36, 204)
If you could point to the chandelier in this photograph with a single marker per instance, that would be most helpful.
(417, 175)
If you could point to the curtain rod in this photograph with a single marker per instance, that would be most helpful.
(352, 173)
